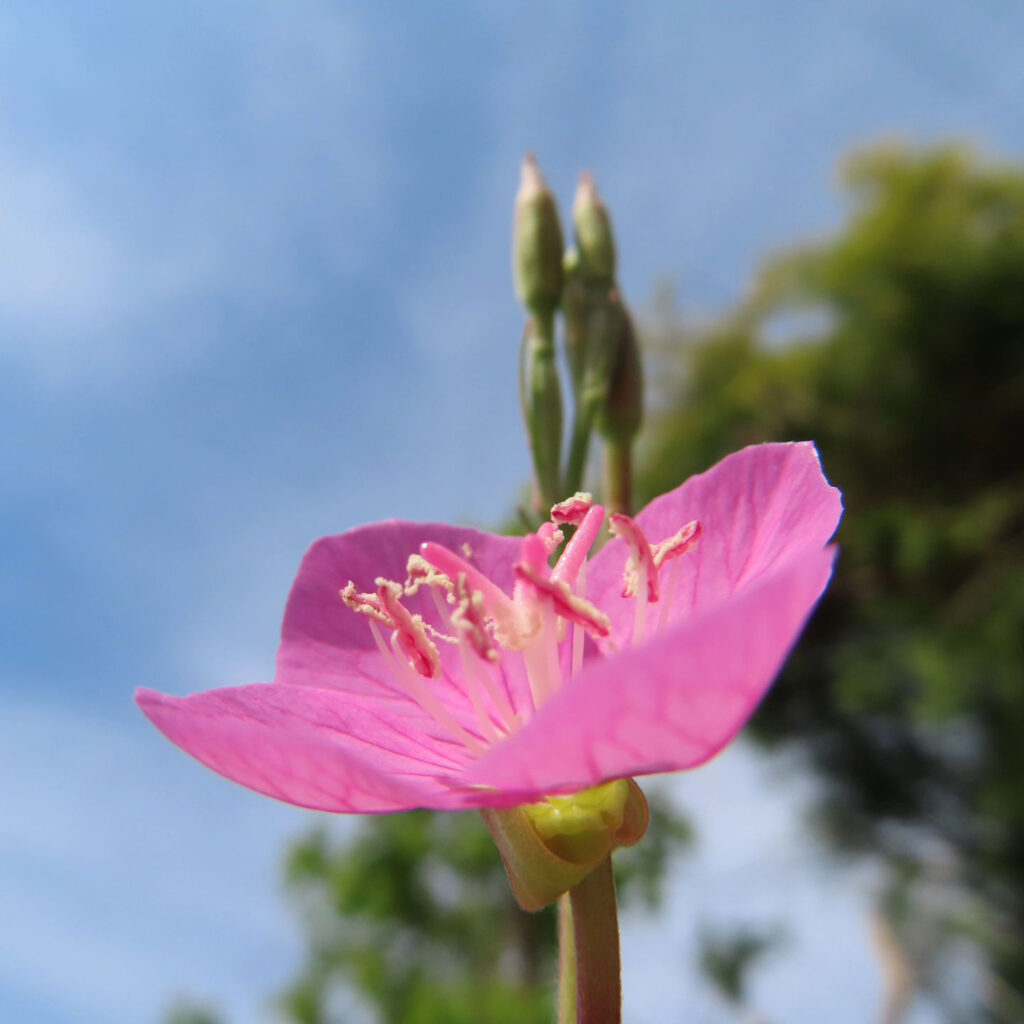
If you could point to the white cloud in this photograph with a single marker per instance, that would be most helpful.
(105, 251)
(128, 874)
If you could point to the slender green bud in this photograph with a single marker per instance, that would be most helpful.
(574, 309)
(619, 417)
(541, 395)
(604, 325)
(592, 362)
(537, 244)
(593, 229)
(551, 846)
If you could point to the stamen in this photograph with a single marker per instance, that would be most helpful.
(419, 572)
(678, 544)
(640, 607)
(535, 661)
(533, 552)
(475, 694)
(456, 622)
(410, 630)
(551, 536)
(427, 700)
(669, 599)
(578, 635)
(641, 573)
(574, 556)
(470, 621)
(549, 638)
(496, 693)
(497, 602)
(403, 674)
(572, 510)
(363, 604)
(567, 604)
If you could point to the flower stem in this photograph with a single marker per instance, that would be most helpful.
(595, 928)
(541, 396)
(579, 443)
(618, 476)
(566, 963)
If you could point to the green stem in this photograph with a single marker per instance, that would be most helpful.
(541, 393)
(579, 444)
(566, 963)
(596, 932)
(618, 476)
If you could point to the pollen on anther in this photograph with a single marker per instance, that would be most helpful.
(419, 573)
(363, 604)
(678, 544)
(572, 510)
(641, 570)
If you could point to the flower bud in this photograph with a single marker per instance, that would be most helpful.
(619, 418)
(604, 327)
(551, 846)
(593, 229)
(540, 392)
(574, 309)
(537, 244)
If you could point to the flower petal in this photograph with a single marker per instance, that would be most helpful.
(755, 507)
(669, 704)
(314, 748)
(325, 644)
(315, 612)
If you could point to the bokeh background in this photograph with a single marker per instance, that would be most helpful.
(255, 288)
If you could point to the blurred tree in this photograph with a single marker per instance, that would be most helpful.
(899, 346)
(727, 957)
(414, 917)
(186, 1012)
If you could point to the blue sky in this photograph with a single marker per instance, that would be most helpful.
(254, 288)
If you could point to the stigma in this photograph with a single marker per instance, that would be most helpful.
(469, 632)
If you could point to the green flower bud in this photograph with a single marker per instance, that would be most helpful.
(593, 228)
(574, 309)
(551, 846)
(619, 417)
(540, 392)
(537, 244)
(604, 327)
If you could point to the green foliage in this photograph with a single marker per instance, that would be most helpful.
(728, 956)
(187, 1012)
(898, 345)
(413, 915)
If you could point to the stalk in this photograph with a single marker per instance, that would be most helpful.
(595, 932)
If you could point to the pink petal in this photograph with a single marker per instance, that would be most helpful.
(756, 507)
(314, 748)
(325, 644)
(362, 555)
(669, 704)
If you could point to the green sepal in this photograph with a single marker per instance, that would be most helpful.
(537, 244)
(540, 869)
(541, 396)
(620, 415)
(593, 229)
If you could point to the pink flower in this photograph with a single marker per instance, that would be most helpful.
(424, 665)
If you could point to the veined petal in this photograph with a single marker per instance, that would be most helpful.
(314, 748)
(325, 644)
(670, 703)
(756, 507)
(363, 555)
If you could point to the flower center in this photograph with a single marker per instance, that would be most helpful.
(545, 622)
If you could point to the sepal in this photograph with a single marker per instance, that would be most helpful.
(577, 838)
